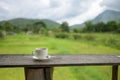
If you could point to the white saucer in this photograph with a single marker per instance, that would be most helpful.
(36, 58)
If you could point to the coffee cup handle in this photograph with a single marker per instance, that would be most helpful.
(33, 52)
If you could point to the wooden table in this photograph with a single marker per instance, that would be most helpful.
(43, 70)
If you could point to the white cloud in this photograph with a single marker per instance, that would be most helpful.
(73, 11)
(111, 4)
(93, 10)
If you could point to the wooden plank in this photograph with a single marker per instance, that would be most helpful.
(115, 72)
(48, 73)
(59, 60)
(34, 74)
(38, 73)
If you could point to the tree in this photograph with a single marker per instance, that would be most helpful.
(118, 28)
(1, 27)
(89, 26)
(76, 30)
(39, 26)
(2, 34)
(64, 27)
(8, 27)
(100, 27)
(111, 26)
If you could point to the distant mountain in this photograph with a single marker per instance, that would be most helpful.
(108, 15)
(77, 26)
(22, 22)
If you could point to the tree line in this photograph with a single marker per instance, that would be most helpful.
(111, 26)
(35, 28)
(9, 27)
(40, 27)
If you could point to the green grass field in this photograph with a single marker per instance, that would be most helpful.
(24, 44)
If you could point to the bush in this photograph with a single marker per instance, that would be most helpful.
(77, 36)
(76, 30)
(89, 37)
(118, 31)
(62, 35)
(112, 41)
(2, 34)
(11, 33)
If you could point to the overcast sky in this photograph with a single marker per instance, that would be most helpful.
(72, 11)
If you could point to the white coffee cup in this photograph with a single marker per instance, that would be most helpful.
(41, 53)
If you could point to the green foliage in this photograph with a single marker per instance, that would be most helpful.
(118, 31)
(23, 22)
(62, 35)
(110, 26)
(8, 27)
(25, 25)
(76, 30)
(89, 37)
(89, 26)
(39, 27)
(2, 34)
(1, 27)
(56, 30)
(77, 36)
(64, 27)
(100, 27)
(113, 42)
(107, 39)
(26, 29)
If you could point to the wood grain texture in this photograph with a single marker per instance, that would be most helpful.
(59, 60)
(48, 71)
(38, 73)
(43, 70)
(115, 72)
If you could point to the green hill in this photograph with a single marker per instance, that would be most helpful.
(23, 22)
(107, 15)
